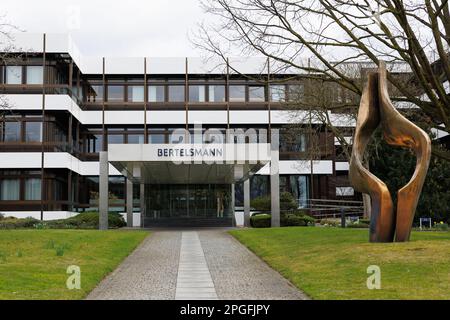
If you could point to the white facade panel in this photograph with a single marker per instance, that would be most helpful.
(244, 117)
(124, 117)
(202, 66)
(166, 117)
(342, 166)
(124, 65)
(166, 65)
(47, 215)
(14, 160)
(91, 65)
(210, 117)
(345, 191)
(300, 167)
(28, 42)
(91, 117)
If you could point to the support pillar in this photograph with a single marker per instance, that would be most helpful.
(103, 191)
(233, 205)
(129, 203)
(142, 202)
(274, 178)
(247, 202)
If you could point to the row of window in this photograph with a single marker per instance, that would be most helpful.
(20, 131)
(196, 93)
(10, 189)
(23, 75)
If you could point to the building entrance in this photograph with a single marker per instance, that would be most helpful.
(198, 202)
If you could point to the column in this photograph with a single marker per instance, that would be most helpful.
(274, 179)
(103, 191)
(142, 202)
(129, 203)
(247, 202)
(233, 204)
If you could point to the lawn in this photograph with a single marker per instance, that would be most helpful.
(33, 263)
(331, 263)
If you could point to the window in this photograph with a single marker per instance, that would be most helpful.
(176, 93)
(33, 131)
(95, 143)
(115, 138)
(115, 93)
(197, 93)
(237, 93)
(12, 131)
(14, 75)
(135, 94)
(296, 92)
(157, 136)
(35, 75)
(10, 189)
(136, 138)
(217, 93)
(277, 93)
(33, 189)
(256, 93)
(95, 93)
(156, 94)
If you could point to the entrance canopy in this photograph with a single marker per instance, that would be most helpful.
(188, 163)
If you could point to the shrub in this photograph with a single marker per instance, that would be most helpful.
(441, 226)
(366, 221)
(357, 225)
(330, 222)
(288, 220)
(260, 221)
(287, 202)
(14, 223)
(85, 220)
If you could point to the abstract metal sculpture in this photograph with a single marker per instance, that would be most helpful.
(376, 108)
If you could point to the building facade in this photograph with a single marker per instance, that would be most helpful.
(61, 110)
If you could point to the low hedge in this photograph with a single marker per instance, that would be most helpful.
(260, 220)
(85, 220)
(15, 223)
(286, 220)
(290, 220)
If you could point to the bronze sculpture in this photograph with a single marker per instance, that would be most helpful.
(376, 108)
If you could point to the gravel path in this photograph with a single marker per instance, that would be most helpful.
(152, 270)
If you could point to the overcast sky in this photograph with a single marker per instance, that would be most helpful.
(156, 28)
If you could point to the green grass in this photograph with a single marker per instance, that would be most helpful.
(33, 263)
(331, 263)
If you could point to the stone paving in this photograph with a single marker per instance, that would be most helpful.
(194, 265)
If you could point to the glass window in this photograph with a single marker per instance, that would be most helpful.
(33, 189)
(95, 93)
(33, 131)
(176, 93)
(12, 131)
(157, 137)
(10, 189)
(278, 93)
(115, 93)
(156, 94)
(136, 138)
(95, 143)
(217, 93)
(296, 92)
(115, 138)
(35, 75)
(237, 93)
(197, 93)
(256, 93)
(14, 75)
(135, 94)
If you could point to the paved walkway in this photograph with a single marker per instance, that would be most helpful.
(194, 265)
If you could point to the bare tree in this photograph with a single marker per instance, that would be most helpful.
(321, 38)
(8, 55)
